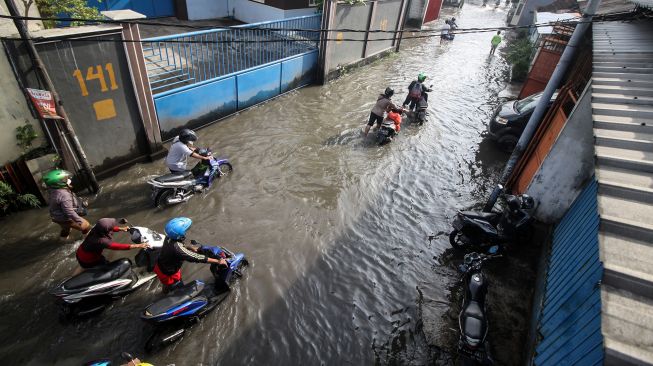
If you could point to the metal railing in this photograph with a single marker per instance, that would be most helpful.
(183, 59)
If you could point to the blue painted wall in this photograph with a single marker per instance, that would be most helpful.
(149, 8)
(196, 107)
(570, 320)
(258, 85)
(202, 103)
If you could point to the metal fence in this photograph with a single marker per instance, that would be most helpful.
(183, 59)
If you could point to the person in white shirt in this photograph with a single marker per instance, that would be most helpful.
(181, 149)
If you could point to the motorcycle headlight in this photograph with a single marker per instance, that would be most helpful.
(501, 120)
(472, 342)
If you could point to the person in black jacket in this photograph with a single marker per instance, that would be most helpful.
(174, 253)
(416, 91)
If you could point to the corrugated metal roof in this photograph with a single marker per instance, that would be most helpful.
(570, 321)
(622, 108)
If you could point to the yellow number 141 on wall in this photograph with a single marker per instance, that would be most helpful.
(96, 73)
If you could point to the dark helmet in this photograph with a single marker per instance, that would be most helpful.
(453, 19)
(527, 202)
(513, 203)
(186, 136)
(389, 92)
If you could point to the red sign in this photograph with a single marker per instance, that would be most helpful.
(44, 103)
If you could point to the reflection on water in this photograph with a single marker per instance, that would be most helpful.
(336, 228)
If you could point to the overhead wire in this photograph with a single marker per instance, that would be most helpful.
(413, 34)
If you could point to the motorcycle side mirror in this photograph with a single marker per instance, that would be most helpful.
(463, 268)
(493, 249)
(194, 242)
(122, 221)
(126, 356)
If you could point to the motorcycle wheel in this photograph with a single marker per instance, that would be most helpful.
(456, 241)
(225, 168)
(161, 200)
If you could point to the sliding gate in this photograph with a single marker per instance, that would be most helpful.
(199, 77)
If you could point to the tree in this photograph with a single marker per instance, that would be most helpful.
(66, 8)
(518, 53)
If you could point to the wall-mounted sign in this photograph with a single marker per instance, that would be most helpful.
(44, 103)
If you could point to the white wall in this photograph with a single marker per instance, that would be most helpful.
(207, 9)
(7, 26)
(252, 12)
(14, 110)
(568, 166)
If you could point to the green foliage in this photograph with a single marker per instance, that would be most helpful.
(518, 54)
(12, 200)
(71, 9)
(25, 136)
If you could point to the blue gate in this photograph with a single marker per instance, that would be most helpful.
(570, 320)
(200, 77)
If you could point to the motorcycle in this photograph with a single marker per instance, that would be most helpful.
(420, 114)
(183, 306)
(173, 188)
(90, 291)
(131, 361)
(473, 345)
(473, 228)
(388, 130)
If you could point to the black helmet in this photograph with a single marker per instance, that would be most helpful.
(527, 202)
(389, 92)
(186, 135)
(513, 203)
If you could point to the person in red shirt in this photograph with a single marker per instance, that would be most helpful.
(89, 254)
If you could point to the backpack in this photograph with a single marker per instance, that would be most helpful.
(416, 91)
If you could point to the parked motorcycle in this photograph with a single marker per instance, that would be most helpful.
(473, 324)
(173, 188)
(185, 305)
(91, 291)
(475, 229)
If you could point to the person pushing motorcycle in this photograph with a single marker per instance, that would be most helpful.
(416, 91)
(181, 149)
(174, 253)
(89, 253)
(66, 208)
(383, 104)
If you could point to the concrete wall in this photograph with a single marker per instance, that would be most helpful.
(206, 9)
(527, 15)
(203, 103)
(569, 165)
(14, 112)
(415, 13)
(14, 109)
(385, 18)
(7, 25)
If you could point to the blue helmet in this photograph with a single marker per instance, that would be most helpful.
(177, 227)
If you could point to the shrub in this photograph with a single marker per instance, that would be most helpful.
(10, 200)
(518, 54)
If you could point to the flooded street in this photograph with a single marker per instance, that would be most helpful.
(335, 227)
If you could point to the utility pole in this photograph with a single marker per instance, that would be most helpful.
(87, 172)
(542, 106)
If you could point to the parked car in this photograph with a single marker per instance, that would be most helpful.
(509, 121)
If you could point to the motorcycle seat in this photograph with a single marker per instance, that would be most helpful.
(474, 321)
(100, 274)
(480, 215)
(173, 177)
(176, 298)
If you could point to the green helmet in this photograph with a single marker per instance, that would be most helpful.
(57, 178)
(421, 77)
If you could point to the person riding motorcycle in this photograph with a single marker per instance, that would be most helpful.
(416, 91)
(66, 208)
(89, 253)
(174, 253)
(181, 149)
(383, 104)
